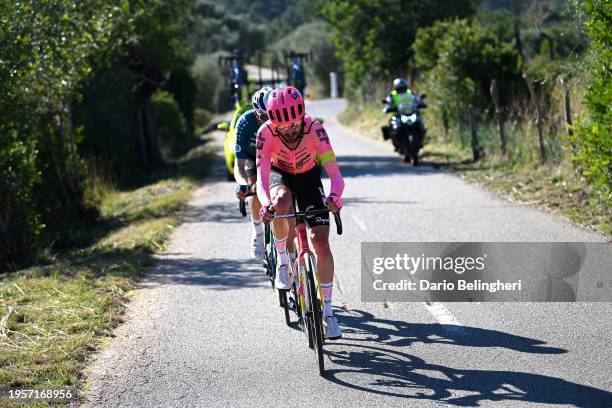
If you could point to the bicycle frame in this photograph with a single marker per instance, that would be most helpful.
(304, 251)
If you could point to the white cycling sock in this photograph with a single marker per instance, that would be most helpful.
(327, 289)
(257, 225)
(281, 249)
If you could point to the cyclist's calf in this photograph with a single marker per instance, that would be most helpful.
(319, 237)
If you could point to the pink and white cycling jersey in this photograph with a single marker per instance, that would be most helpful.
(271, 151)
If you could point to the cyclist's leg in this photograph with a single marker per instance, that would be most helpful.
(309, 191)
(251, 172)
(282, 201)
(257, 240)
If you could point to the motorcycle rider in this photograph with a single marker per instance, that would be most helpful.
(400, 95)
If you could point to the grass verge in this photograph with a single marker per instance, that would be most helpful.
(555, 188)
(53, 317)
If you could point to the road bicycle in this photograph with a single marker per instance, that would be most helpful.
(305, 298)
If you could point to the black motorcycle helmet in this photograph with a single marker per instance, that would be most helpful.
(400, 85)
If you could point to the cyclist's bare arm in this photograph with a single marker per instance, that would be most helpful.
(240, 172)
(330, 164)
(264, 164)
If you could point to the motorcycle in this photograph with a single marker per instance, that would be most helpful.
(406, 128)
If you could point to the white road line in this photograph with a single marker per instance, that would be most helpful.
(359, 223)
(443, 315)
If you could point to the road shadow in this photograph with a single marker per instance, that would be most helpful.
(215, 273)
(225, 212)
(365, 326)
(383, 371)
(378, 367)
(359, 166)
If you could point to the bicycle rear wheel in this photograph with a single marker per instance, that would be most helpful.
(314, 314)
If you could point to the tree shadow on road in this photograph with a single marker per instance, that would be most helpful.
(216, 273)
(377, 368)
(222, 213)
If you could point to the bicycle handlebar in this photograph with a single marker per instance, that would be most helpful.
(242, 205)
(337, 219)
(336, 215)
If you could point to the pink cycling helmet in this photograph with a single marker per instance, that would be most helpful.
(285, 106)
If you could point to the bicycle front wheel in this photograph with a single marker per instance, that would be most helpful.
(314, 313)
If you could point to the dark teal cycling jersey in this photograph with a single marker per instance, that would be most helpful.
(246, 135)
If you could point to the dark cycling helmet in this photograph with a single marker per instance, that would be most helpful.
(260, 98)
(400, 85)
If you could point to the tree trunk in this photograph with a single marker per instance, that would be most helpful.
(141, 139)
(498, 117)
(474, 135)
(445, 123)
(567, 109)
(154, 151)
(150, 78)
(517, 30)
(4, 235)
(538, 118)
(459, 124)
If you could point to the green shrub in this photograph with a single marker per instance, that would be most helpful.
(210, 84)
(593, 140)
(170, 123)
(20, 224)
(460, 58)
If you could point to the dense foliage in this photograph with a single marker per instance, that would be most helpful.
(593, 141)
(374, 38)
(459, 59)
(76, 80)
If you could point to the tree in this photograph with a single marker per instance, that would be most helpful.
(460, 59)
(374, 38)
(50, 53)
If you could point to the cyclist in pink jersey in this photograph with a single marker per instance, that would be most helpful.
(288, 145)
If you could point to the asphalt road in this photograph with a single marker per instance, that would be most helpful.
(205, 330)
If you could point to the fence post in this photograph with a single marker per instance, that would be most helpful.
(567, 108)
(333, 85)
(498, 117)
(474, 133)
(538, 119)
(459, 121)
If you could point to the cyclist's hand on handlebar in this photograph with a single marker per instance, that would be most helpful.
(241, 191)
(334, 203)
(266, 212)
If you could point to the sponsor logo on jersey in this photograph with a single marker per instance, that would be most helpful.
(322, 135)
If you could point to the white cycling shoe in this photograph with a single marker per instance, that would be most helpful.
(331, 328)
(282, 281)
(257, 245)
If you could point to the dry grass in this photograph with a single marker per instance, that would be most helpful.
(53, 317)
